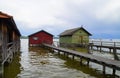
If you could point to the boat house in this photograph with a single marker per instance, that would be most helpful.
(40, 37)
(74, 36)
(9, 38)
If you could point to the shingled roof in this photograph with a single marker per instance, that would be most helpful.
(39, 32)
(4, 15)
(71, 31)
(10, 20)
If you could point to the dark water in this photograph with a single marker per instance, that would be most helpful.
(40, 63)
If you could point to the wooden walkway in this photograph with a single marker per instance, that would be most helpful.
(114, 64)
(113, 47)
(99, 48)
(105, 44)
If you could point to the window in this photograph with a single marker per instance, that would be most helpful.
(35, 38)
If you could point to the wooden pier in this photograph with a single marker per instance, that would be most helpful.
(113, 47)
(114, 64)
(105, 44)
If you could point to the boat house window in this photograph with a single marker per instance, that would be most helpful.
(35, 38)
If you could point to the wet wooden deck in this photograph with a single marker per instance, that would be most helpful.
(114, 64)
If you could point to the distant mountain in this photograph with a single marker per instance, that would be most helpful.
(24, 37)
(56, 37)
(106, 36)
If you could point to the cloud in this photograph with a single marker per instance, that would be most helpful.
(58, 15)
(109, 11)
(35, 13)
(41, 12)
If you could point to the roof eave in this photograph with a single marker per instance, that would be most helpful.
(38, 32)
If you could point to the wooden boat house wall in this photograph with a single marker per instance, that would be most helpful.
(75, 36)
(40, 37)
(9, 38)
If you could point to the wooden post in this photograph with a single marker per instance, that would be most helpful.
(80, 60)
(104, 69)
(115, 54)
(110, 50)
(101, 47)
(114, 72)
(1, 71)
(58, 52)
(88, 62)
(88, 48)
(53, 51)
(67, 55)
(73, 57)
(64, 53)
(91, 46)
(97, 48)
(114, 44)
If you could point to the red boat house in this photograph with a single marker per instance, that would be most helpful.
(40, 37)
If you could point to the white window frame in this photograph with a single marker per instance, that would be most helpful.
(35, 38)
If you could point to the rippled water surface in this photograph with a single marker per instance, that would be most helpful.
(40, 63)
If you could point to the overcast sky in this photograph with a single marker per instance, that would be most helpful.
(100, 17)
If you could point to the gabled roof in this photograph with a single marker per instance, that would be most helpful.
(10, 20)
(39, 32)
(4, 15)
(72, 31)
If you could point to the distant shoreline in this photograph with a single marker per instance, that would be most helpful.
(92, 39)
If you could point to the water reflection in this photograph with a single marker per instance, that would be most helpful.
(88, 71)
(13, 69)
(36, 62)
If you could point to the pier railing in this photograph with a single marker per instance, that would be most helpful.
(106, 43)
(114, 47)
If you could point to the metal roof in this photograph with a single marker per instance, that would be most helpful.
(10, 20)
(39, 32)
(71, 31)
(4, 15)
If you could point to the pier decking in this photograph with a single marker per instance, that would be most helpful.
(114, 64)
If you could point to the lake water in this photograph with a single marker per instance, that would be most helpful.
(40, 63)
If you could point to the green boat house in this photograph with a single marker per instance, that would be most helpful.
(74, 36)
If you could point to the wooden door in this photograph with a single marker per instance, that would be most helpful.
(81, 39)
